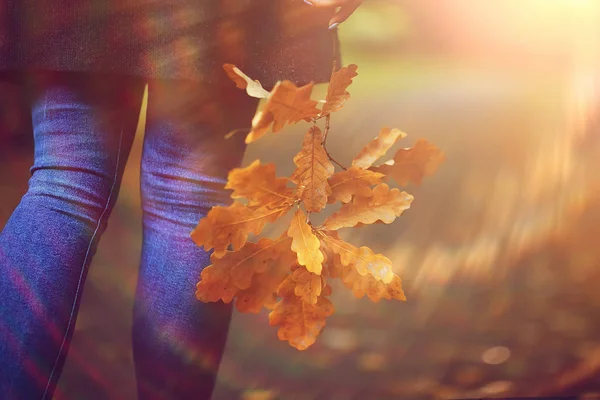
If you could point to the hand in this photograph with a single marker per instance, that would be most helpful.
(347, 7)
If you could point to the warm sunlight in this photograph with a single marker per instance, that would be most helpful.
(549, 27)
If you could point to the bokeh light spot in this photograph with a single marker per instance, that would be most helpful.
(495, 355)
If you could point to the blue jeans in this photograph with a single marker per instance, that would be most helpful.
(83, 131)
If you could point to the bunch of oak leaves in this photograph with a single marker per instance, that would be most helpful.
(290, 275)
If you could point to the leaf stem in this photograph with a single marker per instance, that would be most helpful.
(325, 132)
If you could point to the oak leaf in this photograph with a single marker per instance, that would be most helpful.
(377, 147)
(305, 243)
(336, 91)
(290, 275)
(413, 164)
(259, 185)
(376, 290)
(299, 322)
(263, 289)
(308, 286)
(235, 271)
(286, 103)
(242, 81)
(225, 226)
(360, 285)
(352, 182)
(332, 263)
(313, 170)
(363, 259)
(383, 205)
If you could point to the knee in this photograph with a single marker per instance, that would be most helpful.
(179, 197)
(79, 193)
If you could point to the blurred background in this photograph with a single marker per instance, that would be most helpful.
(499, 253)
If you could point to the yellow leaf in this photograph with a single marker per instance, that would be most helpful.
(383, 205)
(336, 91)
(242, 81)
(363, 259)
(313, 169)
(352, 182)
(235, 271)
(225, 226)
(305, 244)
(377, 147)
(258, 184)
(286, 104)
(413, 164)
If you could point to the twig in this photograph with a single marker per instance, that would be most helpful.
(325, 132)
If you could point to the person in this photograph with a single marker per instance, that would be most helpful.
(84, 66)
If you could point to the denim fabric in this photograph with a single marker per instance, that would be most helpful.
(83, 131)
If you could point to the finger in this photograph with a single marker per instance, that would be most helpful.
(343, 14)
(326, 3)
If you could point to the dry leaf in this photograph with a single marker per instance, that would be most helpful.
(336, 91)
(258, 184)
(263, 289)
(413, 164)
(360, 285)
(363, 259)
(332, 263)
(377, 147)
(352, 182)
(235, 270)
(305, 244)
(308, 286)
(225, 226)
(383, 205)
(371, 287)
(242, 81)
(290, 275)
(299, 322)
(286, 103)
(313, 170)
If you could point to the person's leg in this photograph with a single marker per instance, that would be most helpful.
(177, 340)
(83, 131)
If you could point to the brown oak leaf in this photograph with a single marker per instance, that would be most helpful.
(377, 147)
(286, 103)
(308, 286)
(305, 243)
(363, 259)
(383, 205)
(336, 91)
(259, 185)
(352, 182)
(313, 170)
(332, 263)
(225, 226)
(376, 290)
(263, 289)
(299, 322)
(413, 164)
(235, 271)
